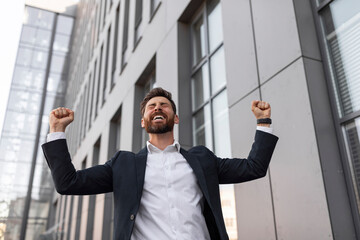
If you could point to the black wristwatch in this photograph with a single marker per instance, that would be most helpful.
(264, 120)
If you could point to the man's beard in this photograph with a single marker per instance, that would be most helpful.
(156, 128)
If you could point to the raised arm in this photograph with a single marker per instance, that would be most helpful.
(255, 166)
(67, 180)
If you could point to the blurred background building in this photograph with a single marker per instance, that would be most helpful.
(38, 84)
(215, 57)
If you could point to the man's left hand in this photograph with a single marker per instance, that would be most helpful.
(261, 109)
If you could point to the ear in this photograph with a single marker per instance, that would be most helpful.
(176, 119)
(142, 123)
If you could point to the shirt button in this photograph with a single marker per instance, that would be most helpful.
(132, 217)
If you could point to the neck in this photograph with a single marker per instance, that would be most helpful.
(161, 141)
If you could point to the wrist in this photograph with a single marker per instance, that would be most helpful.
(57, 129)
(264, 122)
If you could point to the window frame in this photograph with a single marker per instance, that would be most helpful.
(195, 67)
(340, 122)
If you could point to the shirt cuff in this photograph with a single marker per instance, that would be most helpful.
(265, 129)
(55, 136)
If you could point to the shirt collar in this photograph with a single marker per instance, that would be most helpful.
(152, 149)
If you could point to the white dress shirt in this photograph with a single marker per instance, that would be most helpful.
(172, 201)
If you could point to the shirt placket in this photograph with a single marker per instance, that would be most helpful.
(171, 192)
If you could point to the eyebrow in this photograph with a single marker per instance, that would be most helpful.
(161, 103)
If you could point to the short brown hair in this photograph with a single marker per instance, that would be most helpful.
(156, 92)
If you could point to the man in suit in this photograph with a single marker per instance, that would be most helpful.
(162, 192)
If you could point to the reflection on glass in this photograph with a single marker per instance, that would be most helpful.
(217, 66)
(35, 36)
(20, 126)
(39, 59)
(202, 128)
(64, 25)
(200, 86)
(57, 63)
(29, 78)
(199, 50)
(228, 207)
(24, 56)
(221, 125)
(341, 21)
(39, 18)
(61, 43)
(215, 24)
(352, 132)
(25, 101)
(56, 83)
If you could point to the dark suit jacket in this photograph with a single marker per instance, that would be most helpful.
(124, 176)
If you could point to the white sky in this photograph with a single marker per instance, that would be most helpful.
(11, 15)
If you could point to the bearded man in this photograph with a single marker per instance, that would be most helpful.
(163, 192)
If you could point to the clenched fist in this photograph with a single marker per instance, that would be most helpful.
(60, 118)
(261, 109)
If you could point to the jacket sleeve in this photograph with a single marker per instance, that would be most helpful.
(67, 180)
(236, 170)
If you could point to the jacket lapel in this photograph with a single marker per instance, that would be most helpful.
(140, 162)
(199, 173)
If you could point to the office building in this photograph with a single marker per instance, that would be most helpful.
(38, 84)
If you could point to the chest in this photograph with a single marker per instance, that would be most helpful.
(169, 170)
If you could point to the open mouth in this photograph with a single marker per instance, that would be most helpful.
(158, 117)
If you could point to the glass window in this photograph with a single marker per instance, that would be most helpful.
(125, 51)
(200, 86)
(29, 78)
(202, 127)
(35, 36)
(214, 24)
(138, 21)
(221, 125)
(57, 63)
(39, 18)
(24, 56)
(217, 66)
(199, 49)
(209, 96)
(64, 25)
(352, 132)
(341, 21)
(56, 83)
(61, 43)
(24, 101)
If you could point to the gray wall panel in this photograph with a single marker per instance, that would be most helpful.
(306, 29)
(241, 71)
(253, 199)
(276, 36)
(301, 210)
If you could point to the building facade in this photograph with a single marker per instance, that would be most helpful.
(38, 84)
(215, 57)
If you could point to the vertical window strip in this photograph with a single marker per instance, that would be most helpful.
(113, 67)
(106, 68)
(99, 81)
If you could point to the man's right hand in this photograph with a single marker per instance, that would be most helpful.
(59, 119)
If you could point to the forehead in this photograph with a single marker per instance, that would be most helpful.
(158, 100)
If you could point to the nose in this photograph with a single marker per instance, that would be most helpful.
(158, 107)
